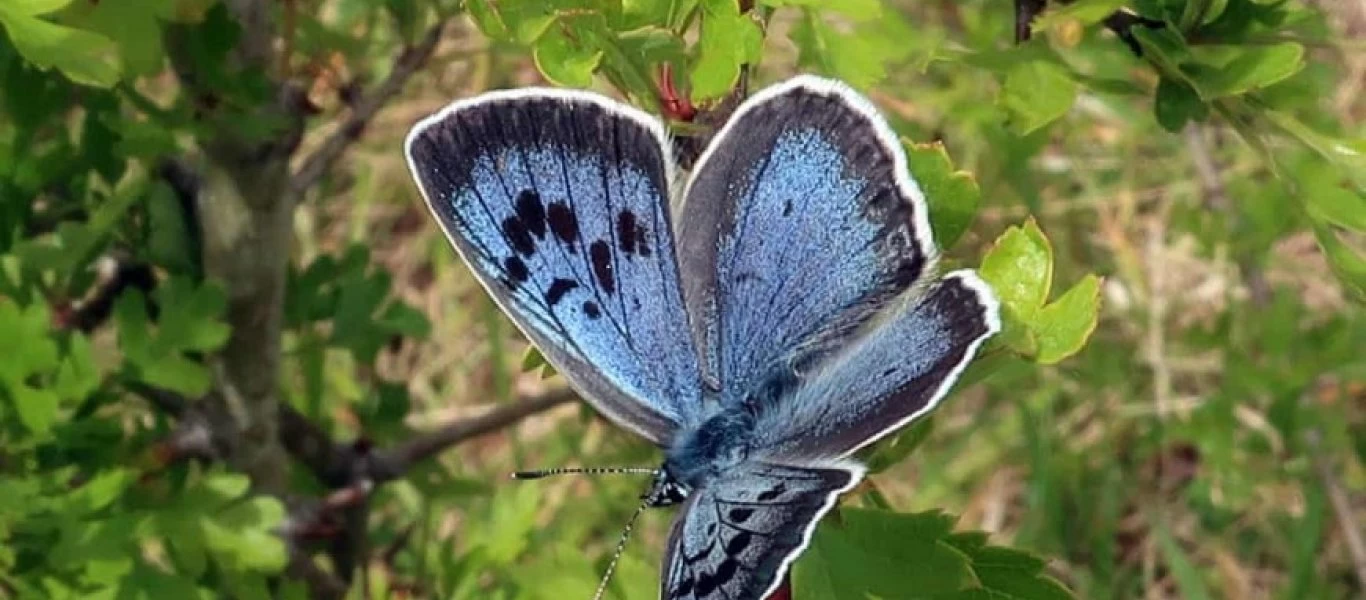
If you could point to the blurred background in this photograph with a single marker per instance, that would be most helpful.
(237, 346)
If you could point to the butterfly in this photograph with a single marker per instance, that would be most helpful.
(760, 321)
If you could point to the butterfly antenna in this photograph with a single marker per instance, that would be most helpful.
(616, 554)
(537, 474)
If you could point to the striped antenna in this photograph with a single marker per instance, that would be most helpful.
(585, 471)
(621, 546)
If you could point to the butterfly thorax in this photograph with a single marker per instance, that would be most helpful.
(700, 454)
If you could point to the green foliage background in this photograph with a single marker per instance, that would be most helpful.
(232, 353)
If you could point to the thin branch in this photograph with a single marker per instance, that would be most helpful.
(1025, 11)
(1342, 509)
(392, 462)
(1120, 22)
(1342, 505)
(309, 444)
(165, 401)
(1211, 184)
(406, 64)
(1210, 175)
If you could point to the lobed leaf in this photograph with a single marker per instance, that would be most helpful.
(1036, 93)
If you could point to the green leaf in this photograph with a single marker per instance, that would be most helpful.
(1019, 266)
(867, 553)
(1006, 572)
(1330, 198)
(728, 40)
(1176, 103)
(25, 370)
(1062, 327)
(85, 57)
(244, 540)
(101, 491)
(862, 554)
(189, 316)
(534, 361)
(1254, 67)
(1349, 155)
(170, 241)
(1347, 262)
(1166, 50)
(652, 45)
(859, 57)
(1200, 12)
(226, 486)
(189, 321)
(952, 195)
(78, 375)
(37, 407)
(33, 8)
(134, 27)
(563, 61)
(856, 10)
(487, 18)
(1036, 93)
(895, 448)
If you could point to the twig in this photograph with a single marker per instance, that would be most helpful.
(165, 401)
(309, 444)
(1025, 11)
(116, 274)
(405, 65)
(1120, 22)
(1211, 184)
(1155, 342)
(1342, 506)
(1216, 199)
(393, 462)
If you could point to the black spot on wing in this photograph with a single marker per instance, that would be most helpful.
(626, 231)
(601, 255)
(684, 587)
(787, 208)
(740, 515)
(631, 235)
(518, 237)
(706, 584)
(773, 492)
(737, 544)
(558, 288)
(563, 223)
(516, 269)
(726, 571)
(531, 212)
(591, 309)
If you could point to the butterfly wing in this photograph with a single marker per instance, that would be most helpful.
(800, 220)
(899, 369)
(736, 538)
(558, 201)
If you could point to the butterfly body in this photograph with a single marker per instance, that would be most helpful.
(777, 317)
(714, 446)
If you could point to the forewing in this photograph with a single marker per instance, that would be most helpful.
(896, 371)
(558, 202)
(800, 220)
(736, 538)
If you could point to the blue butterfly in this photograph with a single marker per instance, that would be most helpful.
(782, 315)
